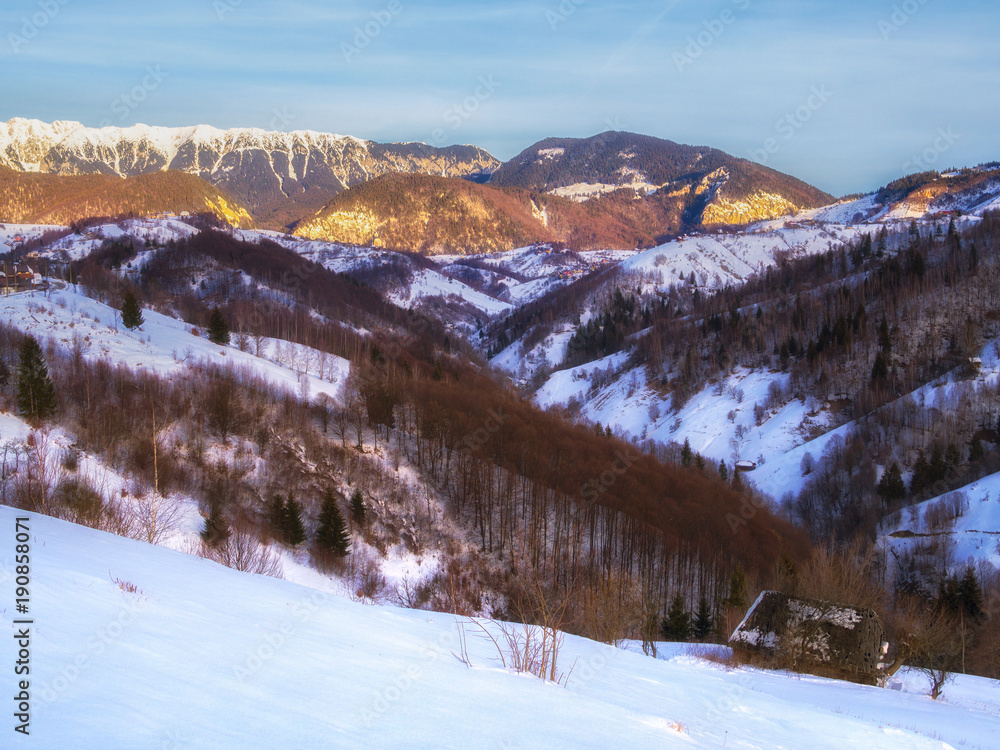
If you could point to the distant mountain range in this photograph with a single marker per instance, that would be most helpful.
(279, 176)
(615, 190)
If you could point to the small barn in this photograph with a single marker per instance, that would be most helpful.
(19, 277)
(814, 636)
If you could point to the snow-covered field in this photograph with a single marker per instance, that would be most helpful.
(26, 232)
(719, 421)
(726, 258)
(134, 646)
(975, 534)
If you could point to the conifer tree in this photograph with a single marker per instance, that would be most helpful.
(295, 532)
(921, 474)
(216, 529)
(703, 622)
(686, 453)
(276, 517)
(218, 329)
(737, 589)
(331, 534)
(677, 626)
(884, 340)
(970, 595)
(881, 245)
(131, 312)
(880, 370)
(890, 486)
(976, 451)
(357, 508)
(36, 398)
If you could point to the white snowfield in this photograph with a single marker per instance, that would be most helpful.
(135, 646)
(727, 258)
(163, 344)
(975, 533)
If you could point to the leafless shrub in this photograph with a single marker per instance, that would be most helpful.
(368, 583)
(155, 516)
(929, 641)
(531, 649)
(409, 594)
(610, 610)
(241, 551)
(720, 655)
(80, 501)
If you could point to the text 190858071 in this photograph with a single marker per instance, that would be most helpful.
(22, 626)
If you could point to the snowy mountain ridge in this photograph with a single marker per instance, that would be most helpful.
(264, 169)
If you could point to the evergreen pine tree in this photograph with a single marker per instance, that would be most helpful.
(295, 532)
(737, 589)
(881, 245)
(36, 397)
(703, 622)
(357, 508)
(915, 263)
(131, 312)
(686, 453)
(884, 340)
(723, 471)
(890, 486)
(218, 329)
(677, 626)
(331, 534)
(921, 474)
(276, 517)
(939, 468)
(880, 370)
(952, 457)
(970, 595)
(4, 373)
(737, 481)
(976, 451)
(216, 530)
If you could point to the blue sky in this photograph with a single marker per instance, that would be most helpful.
(846, 95)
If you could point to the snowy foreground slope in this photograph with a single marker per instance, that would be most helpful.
(200, 656)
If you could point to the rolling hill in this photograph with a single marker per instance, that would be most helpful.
(54, 199)
(713, 187)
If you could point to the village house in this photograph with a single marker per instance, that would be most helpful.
(19, 277)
